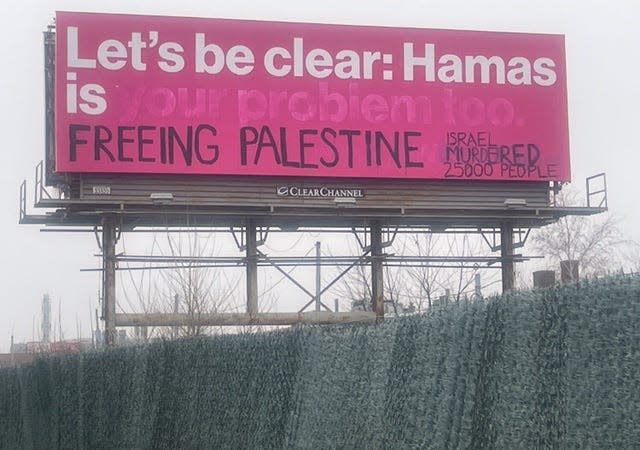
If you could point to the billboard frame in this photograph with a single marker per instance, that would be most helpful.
(73, 208)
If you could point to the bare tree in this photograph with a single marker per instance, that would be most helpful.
(355, 286)
(457, 279)
(425, 278)
(631, 254)
(409, 288)
(595, 242)
(186, 287)
(199, 290)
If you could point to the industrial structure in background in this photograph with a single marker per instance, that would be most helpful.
(290, 127)
(25, 352)
(20, 352)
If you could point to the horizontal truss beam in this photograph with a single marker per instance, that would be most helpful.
(337, 230)
(242, 319)
(178, 262)
(366, 263)
(301, 260)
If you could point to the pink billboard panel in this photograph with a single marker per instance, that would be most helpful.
(148, 94)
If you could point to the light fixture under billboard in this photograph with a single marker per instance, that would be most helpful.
(161, 198)
(515, 202)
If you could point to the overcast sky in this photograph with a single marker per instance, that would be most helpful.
(602, 45)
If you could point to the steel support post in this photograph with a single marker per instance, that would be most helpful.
(252, 268)
(109, 279)
(506, 255)
(377, 277)
(318, 277)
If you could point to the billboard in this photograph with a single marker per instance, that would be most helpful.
(171, 95)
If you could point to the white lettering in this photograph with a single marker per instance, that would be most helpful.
(485, 65)
(240, 60)
(348, 65)
(519, 71)
(319, 63)
(112, 54)
(298, 52)
(546, 76)
(369, 59)
(136, 44)
(172, 61)
(202, 51)
(451, 69)
(72, 51)
(94, 102)
(426, 61)
(269, 61)
(483, 69)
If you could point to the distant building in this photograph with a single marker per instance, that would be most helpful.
(22, 352)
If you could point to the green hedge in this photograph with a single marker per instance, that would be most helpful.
(555, 368)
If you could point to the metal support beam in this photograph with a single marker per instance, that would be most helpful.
(318, 276)
(377, 285)
(109, 279)
(242, 319)
(335, 280)
(506, 254)
(252, 268)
